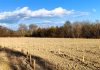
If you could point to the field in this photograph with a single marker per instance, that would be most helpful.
(49, 54)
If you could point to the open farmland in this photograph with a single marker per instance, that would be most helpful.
(50, 53)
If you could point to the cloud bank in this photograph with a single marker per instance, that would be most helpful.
(26, 13)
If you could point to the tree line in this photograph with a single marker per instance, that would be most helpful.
(84, 29)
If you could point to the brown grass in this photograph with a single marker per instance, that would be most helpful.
(53, 53)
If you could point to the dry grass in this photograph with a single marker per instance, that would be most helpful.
(66, 54)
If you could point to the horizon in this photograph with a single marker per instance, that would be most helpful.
(47, 13)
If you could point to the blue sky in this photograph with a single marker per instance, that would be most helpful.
(47, 12)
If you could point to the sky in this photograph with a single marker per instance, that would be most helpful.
(47, 13)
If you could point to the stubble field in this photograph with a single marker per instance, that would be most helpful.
(49, 54)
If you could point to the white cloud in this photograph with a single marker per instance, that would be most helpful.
(26, 13)
(79, 14)
(60, 11)
(4, 24)
(48, 23)
(94, 10)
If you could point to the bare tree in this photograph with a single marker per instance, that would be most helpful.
(32, 28)
(22, 29)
